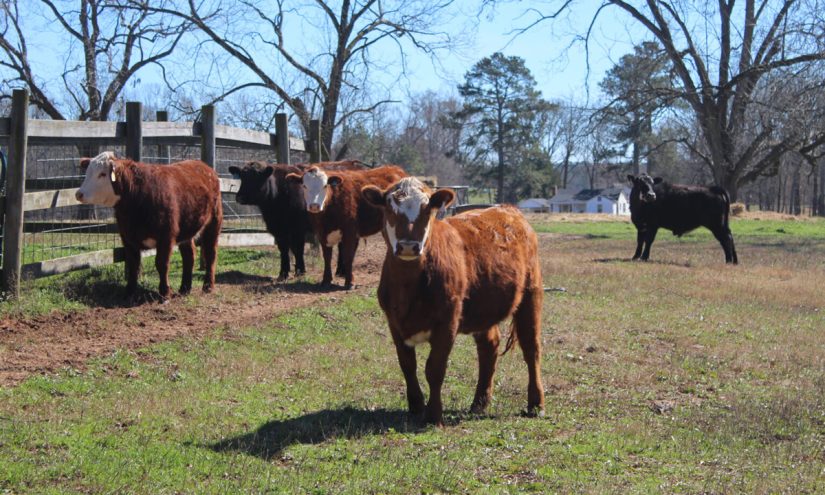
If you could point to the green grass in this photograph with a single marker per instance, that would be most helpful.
(105, 285)
(313, 401)
(622, 228)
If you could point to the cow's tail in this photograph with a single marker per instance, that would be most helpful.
(726, 214)
(512, 338)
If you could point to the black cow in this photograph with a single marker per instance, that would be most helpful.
(654, 203)
(282, 208)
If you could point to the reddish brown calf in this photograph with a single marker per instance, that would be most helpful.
(465, 274)
(158, 206)
(338, 213)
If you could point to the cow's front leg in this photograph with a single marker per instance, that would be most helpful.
(283, 249)
(406, 358)
(441, 344)
(649, 238)
(164, 252)
(132, 262)
(640, 240)
(349, 246)
(327, 252)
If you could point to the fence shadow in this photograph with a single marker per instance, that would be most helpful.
(108, 294)
(272, 438)
(235, 277)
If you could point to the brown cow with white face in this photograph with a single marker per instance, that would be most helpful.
(464, 274)
(338, 213)
(158, 206)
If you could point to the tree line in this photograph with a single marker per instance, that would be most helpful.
(730, 93)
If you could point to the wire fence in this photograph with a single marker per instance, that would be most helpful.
(64, 231)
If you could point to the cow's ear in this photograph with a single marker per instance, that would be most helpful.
(631, 178)
(658, 180)
(84, 164)
(294, 178)
(373, 196)
(235, 171)
(335, 180)
(442, 198)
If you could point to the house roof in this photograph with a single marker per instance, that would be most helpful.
(534, 203)
(612, 193)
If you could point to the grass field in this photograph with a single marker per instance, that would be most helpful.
(680, 375)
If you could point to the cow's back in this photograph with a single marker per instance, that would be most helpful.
(501, 256)
(185, 195)
(681, 209)
(347, 205)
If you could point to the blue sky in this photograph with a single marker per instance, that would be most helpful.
(557, 63)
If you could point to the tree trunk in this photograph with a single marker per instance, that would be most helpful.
(821, 196)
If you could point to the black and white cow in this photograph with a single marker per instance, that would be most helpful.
(656, 204)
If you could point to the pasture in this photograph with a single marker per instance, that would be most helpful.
(680, 375)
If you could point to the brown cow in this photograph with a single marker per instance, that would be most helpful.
(464, 274)
(339, 214)
(158, 206)
(282, 205)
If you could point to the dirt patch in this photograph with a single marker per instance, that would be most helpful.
(47, 344)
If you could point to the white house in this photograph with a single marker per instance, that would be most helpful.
(613, 201)
(534, 205)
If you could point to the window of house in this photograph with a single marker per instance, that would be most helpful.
(600, 208)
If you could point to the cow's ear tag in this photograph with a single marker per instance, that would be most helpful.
(112, 174)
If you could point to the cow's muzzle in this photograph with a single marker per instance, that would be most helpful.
(314, 208)
(78, 196)
(649, 197)
(408, 250)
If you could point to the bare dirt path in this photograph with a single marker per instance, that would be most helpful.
(46, 344)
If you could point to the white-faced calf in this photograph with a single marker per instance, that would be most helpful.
(465, 274)
(338, 213)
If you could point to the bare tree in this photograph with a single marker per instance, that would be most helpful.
(723, 54)
(115, 43)
(314, 76)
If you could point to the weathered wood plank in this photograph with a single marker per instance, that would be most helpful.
(15, 187)
(230, 185)
(5, 126)
(108, 256)
(42, 200)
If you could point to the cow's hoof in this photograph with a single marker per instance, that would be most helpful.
(282, 277)
(184, 291)
(533, 412)
(208, 289)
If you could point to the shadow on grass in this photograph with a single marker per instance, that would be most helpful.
(296, 286)
(272, 438)
(107, 294)
(235, 277)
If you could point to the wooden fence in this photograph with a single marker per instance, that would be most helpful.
(19, 132)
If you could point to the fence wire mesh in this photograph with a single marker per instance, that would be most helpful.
(65, 231)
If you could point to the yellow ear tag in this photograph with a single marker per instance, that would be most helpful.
(114, 179)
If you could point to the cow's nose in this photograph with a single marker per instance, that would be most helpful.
(408, 250)
(314, 207)
(79, 196)
(650, 196)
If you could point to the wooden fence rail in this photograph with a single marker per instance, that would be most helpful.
(18, 132)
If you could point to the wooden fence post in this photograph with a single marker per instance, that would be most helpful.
(282, 138)
(314, 142)
(134, 130)
(15, 188)
(208, 147)
(164, 153)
